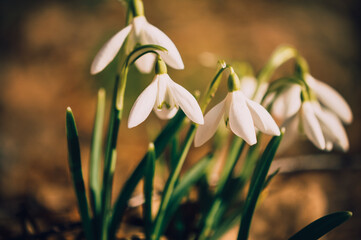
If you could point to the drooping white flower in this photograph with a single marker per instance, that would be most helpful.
(240, 114)
(287, 103)
(139, 31)
(321, 126)
(164, 96)
(330, 98)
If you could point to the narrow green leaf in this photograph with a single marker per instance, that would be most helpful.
(321, 226)
(228, 222)
(257, 184)
(270, 177)
(213, 215)
(129, 186)
(76, 172)
(169, 187)
(148, 191)
(185, 183)
(95, 156)
(174, 151)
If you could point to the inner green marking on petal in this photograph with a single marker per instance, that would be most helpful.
(167, 105)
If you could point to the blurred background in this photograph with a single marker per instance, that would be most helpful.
(46, 48)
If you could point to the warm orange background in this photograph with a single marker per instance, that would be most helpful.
(46, 48)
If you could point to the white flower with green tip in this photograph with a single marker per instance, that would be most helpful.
(164, 96)
(242, 115)
(139, 31)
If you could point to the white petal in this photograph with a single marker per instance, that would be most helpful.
(211, 122)
(331, 99)
(261, 91)
(139, 23)
(143, 105)
(152, 35)
(262, 119)
(165, 113)
(248, 86)
(145, 63)
(287, 103)
(311, 126)
(110, 49)
(332, 128)
(240, 119)
(187, 103)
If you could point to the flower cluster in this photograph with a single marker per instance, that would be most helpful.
(320, 114)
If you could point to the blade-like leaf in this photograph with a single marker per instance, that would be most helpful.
(185, 183)
(95, 155)
(148, 190)
(321, 226)
(76, 172)
(169, 187)
(129, 186)
(257, 184)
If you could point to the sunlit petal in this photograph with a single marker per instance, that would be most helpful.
(330, 98)
(287, 103)
(187, 103)
(152, 35)
(110, 49)
(145, 63)
(248, 86)
(262, 119)
(332, 128)
(211, 122)
(240, 119)
(143, 105)
(311, 126)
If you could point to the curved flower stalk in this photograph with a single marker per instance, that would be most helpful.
(240, 114)
(164, 96)
(139, 31)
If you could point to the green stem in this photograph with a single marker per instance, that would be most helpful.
(212, 217)
(169, 187)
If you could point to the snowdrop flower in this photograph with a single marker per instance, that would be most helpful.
(240, 114)
(287, 103)
(139, 31)
(164, 96)
(330, 98)
(322, 127)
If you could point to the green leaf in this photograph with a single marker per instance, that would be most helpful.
(95, 156)
(270, 177)
(129, 186)
(185, 183)
(76, 172)
(148, 190)
(212, 217)
(169, 187)
(229, 221)
(321, 226)
(257, 184)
